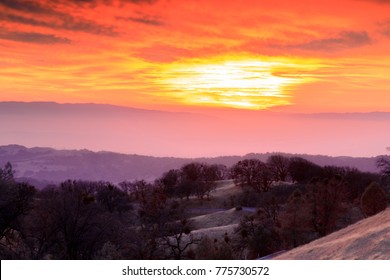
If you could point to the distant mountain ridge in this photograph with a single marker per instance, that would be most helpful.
(208, 132)
(47, 165)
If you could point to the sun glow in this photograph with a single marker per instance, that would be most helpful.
(238, 83)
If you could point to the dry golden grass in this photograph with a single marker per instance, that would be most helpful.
(218, 219)
(365, 240)
(220, 199)
(215, 232)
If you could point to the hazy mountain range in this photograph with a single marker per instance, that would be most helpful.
(207, 133)
(46, 165)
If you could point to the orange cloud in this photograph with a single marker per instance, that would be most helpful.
(148, 53)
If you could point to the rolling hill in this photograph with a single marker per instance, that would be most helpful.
(46, 165)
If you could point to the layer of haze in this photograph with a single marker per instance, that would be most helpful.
(159, 133)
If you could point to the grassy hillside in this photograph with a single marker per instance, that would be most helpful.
(368, 239)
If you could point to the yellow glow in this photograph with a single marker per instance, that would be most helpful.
(250, 83)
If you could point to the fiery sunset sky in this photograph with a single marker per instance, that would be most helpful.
(293, 56)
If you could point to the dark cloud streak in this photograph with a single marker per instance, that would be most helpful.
(107, 2)
(346, 39)
(379, 1)
(26, 6)
(384, 27)
(70, 23)
(145, 19)
(33, 11)
(33, 37)
(67, 22)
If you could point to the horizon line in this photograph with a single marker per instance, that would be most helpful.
(190, 111)
(190, 158)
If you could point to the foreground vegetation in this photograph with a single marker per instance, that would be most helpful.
(199, 211)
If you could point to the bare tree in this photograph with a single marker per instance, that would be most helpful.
(15, 201)
(253, 173)
(244, 172)
(296, 220)
(271, 208)
(326, 198)
(179, 239)
(302, 170)
(383, 163)
(169, 182)
(279, 166)
(192, 179)
(76, 218)
(258, 235)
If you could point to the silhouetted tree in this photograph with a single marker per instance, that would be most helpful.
(384, 164)
(326, 198)
(169, 181)
(259, 236)
(357, 182)
(7, 173)
(192, 179)
(221, 171)
(279, 166)
(373, 200)
(296, 220)
(152, 205)
(253, 173)
(302, 170)
(158, 229)
(264, 178)
(179, 239)
(329, 171)
(42, 226)
(244, 172)
(112, 198)
(76, 220)
(271, 209)
(135, 188)
(15, 201)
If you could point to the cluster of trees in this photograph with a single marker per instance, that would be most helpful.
(15, 201)
(322, 200)
(71, 221)
(87, 220)
(260, 175)
(148, 220)
(309, 211)
(278, 168)
(192, 179)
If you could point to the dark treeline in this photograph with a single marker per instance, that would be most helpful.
(296, 201)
